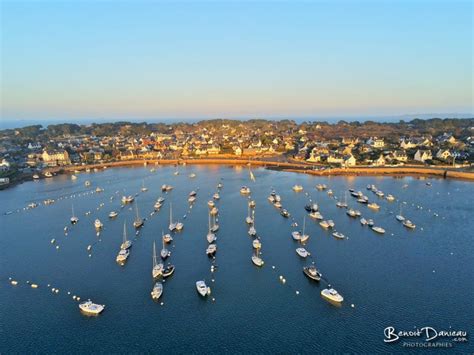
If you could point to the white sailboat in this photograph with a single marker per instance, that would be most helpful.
(304, 237)
(249, 219)
(256, 259)
(399, 216)
(144, 189)
(157, 270)
(172, 225)
(126, 244)
(138, 220)
(215, 226)
(211, 237)
(164, 252)
(252, 230)
(74, 218)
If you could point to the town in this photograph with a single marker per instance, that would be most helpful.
(31, 151)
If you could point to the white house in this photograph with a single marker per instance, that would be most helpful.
(380, 161)
(349, 160)
(423, 155)
(443, 154)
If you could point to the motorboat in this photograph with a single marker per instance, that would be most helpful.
(144, 188)
(312, 273)
(256, 259)
(214, 211)
(48, 174)
(285, 213)
(211, 249)
(321, 187)
(338, 235)
(192, 199)
(202, 288)
(316, 215)
(379, 230)
(211, 203)
(331, 223)
(351, 213)
(164, 253)
(324, 224)
(126, 244)
(122, 256)
(373, 206)
(302, 252)
(113, 214)
(332, 295)
(296, 235)
(192, 175)
(370, 222)
(256, 244)
(73, 177)
(216, 196)
(98, 224)
(409, 224)
(157, 291)
(363, 221)
(88, 307)
(157, 206)
(179, 226)
(168, 270)
(297, 188)
(220, 186)
(167, 238)
(379, 193)
(330, 193)
(98, 189)
(36, 176)
(252, 204)
(127, 199)
(390, 197)
(160, 200)
(363, 199)
(245, 190)
(252, 231)
(278, 204)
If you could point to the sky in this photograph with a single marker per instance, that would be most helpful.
(211, 59)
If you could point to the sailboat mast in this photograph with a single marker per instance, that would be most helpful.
(171, 213)
(154, 254)
(124, 233)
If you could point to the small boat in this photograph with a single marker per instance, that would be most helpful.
(192, 175)
(98, 224)
(34, 205)
(321, 187)
(126, 244)
(211, 237)
(167, 238)
(211, 249)
(245, 190)
(409, 224)
(373, 206)
(252, 204)
(370, 222)
(256, 259)
(296, 235)
(307, 207)
(74, 219)
(351, 213)
(157, 206)
(73, 177)
(122, 256)
(157, 291)
(157, 270)
(36, 176)
(363, 221)
(399, 216)
(338, 235)
(330, 193)
(312, 273)
(324, 224)
(202, 288)
(390, 198)
(379, 193)
(304, 237)
(216, 196)
(331, 223)
(252, 231)
(277, 204)
(172, 225)
(98, 189)
(285, 213)
(113, 214)
(48, 174)
(297, 188)
(160, 200)
(332, 295)
(249, 219)
(191, 199)
(179, 226)
(214, 211)
(379, 230)
(219, 185)
(302, 252)
(144, 189)
(168, 271)
(256, 244)
(91, 308)
(363, 199)
(211, 203)
(316, 215)
(127, 199)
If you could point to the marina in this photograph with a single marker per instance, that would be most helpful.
(266, 266)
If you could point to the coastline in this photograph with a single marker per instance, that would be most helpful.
(296, 167)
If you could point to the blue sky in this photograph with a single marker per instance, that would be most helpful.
(162, 59)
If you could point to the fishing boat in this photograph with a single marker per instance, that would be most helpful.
(126, 244)
(88, 307)
(113, 214)
(98, 224)
(409, 224)
(138, 222)
(379, 230)
(122, 256)
(312, 273)
(202, 288)
(245, 190)
(211, 249)
(373, 206)
(168, 270)
(256, 244)
(302, 252)
(157, 291)
(338, 235)
(297, 188)
(157, 269)
(332, 295)
(256, 259)
(74, 218)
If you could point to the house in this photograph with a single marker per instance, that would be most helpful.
(408, 144)
(443, 154)
(376, 142)
(400, 155)
(213, 150)
(349, 160)
(422, 155)
(4, 165)
(314, 156)
(237, 150)
(56, 157)
(335, 159)
(380, 161)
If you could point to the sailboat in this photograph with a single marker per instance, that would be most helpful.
(74, 218)
(252, 229)
(157, 291)
(252, 176)
(138, 220)
(172, 225)
(249, 219)
(304, 237)
(157, 270)
(256, 259)
(144, 189)
(215, 226)
(211, 237)
(126, 244)
(399, 216)
(164, 252)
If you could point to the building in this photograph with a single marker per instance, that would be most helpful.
(56, 157)
(400, 155)
(423, 155)
(349, 160)
(443, 154)
(380, 161)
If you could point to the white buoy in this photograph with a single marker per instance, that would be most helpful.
(78, 298)
(281, 277)
(352, 305)
(297, 292)
(161, 304)
(273, 267)
(284, 280)
(57, 246)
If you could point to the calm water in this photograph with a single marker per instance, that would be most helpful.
(403, 278)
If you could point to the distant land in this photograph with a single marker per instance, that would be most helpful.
(6, 123)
